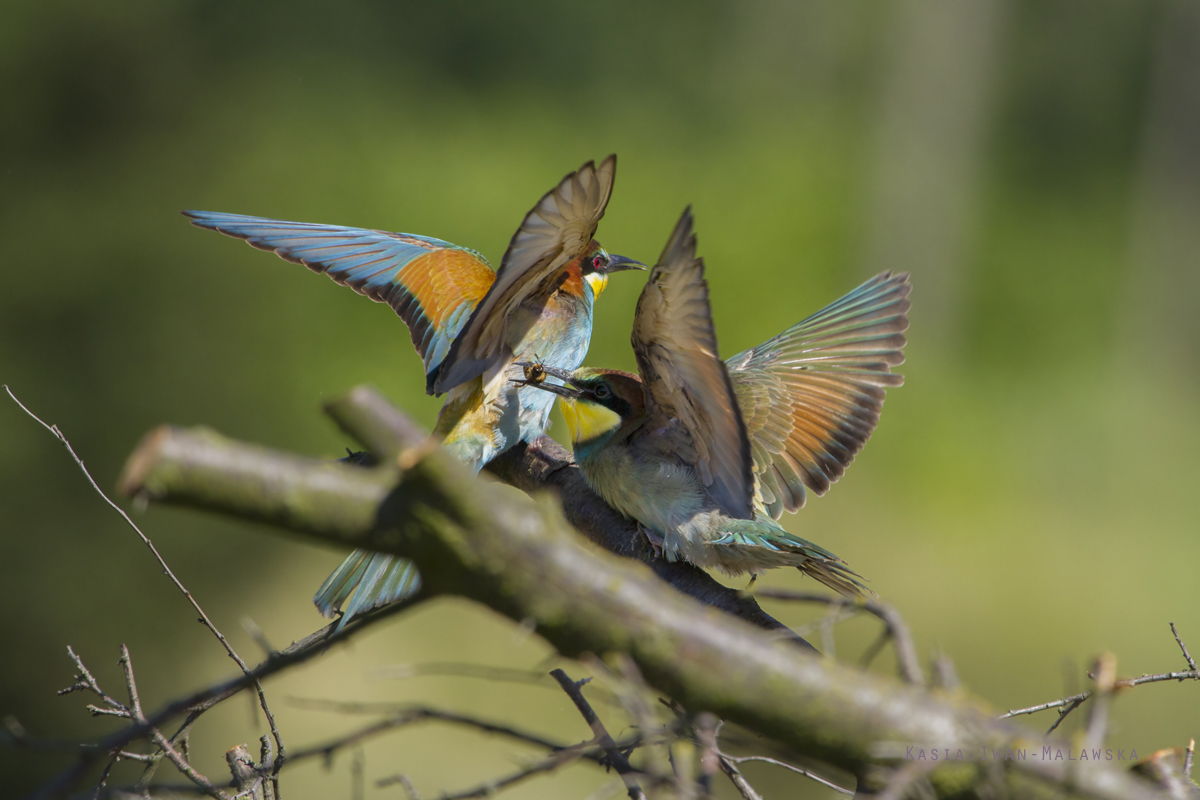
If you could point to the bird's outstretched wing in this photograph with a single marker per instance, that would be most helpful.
(433, 285)
(676, 349)
(811, 396)
(558, 230)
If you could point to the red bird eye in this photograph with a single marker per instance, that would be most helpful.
(597, 261)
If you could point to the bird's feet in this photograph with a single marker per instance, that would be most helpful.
(656, 541)
(753, 578)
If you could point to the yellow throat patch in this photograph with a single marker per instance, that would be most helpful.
(587, 420)
(598, 282)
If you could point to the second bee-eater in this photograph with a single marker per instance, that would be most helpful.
(470, 325)
(706, 455)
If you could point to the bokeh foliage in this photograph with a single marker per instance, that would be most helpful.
(1026, 501)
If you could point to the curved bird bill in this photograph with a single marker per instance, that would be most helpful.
(555, 232)
(675, 343)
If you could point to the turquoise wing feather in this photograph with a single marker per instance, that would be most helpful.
(367, 580)
(432, 284)
(811, 396)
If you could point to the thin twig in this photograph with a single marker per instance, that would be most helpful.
(409, 789)
(1188, 656)
(548, 764)
(410, 715)
(1073, 699)
(1069, 704)
(459, 669)
(629, 689)
(136, 715)
(266, 761)
(104, 776)
(766, 760)
(618, 761)
(1188, 756)
(1067, 709)
(793, 768)
(590, 750)
(738, 780)
(204, 618)
(1124, 683)
(198, 702)
(485, 672)
(85, 681)
(906, 654)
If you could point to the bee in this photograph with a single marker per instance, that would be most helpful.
(534, 373)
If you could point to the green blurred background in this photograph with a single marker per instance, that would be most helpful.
(1027, 501)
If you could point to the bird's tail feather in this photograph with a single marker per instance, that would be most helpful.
(761, 543)
(366, 580)
(836, 575)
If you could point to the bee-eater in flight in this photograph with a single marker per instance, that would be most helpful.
(706, 455)
(469, 324)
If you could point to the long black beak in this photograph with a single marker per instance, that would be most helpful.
(619, 263)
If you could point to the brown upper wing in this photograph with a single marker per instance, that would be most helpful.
(676, 349)
(557, 231)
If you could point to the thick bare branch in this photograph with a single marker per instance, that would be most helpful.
(519, 556)
(375, 423)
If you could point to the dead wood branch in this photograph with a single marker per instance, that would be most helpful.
(519, 556)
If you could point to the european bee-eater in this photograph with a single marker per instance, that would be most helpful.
(706, 455)
(468, 323)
